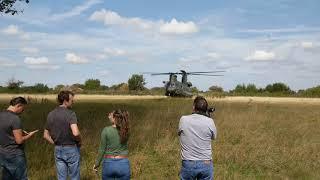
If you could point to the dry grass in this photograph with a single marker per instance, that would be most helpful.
(80, 97)
(256, 140)
(95, 98)
(277, 100)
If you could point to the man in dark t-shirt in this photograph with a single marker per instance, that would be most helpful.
(61, 129)
(12, 137)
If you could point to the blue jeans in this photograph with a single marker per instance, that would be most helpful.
(115, 169)
(67, 162)
(13, 167)
(192, 170)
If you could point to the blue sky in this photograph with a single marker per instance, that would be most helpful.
(254, 41)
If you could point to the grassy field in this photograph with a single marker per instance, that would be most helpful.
(256, 140)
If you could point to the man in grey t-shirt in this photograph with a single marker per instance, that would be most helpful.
(12, 158)
(62, 130)
(196, 132)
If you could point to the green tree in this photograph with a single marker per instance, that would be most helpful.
(310, 92)
(216, 89)
(40, 88)
(278, 88)
(7, 6)
(58, 87)
(13, 84)
(194, 89)
(136, 82)
(251, 88)
(240, 88)
(92, 84)
(77, 85)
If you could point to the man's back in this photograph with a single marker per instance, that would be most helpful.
(58, 124)
(196, 133)
(9, 121)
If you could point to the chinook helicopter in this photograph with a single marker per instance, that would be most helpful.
(174, 87)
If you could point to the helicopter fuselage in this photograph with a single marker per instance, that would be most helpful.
(181, 88)
(177, 89)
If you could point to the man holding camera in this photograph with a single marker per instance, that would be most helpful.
(196, 132)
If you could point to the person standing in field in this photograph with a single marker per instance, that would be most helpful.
(114, 148)
(61, 129)
(13, 165)
(196, 132)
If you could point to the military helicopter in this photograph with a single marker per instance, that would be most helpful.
(174, 87)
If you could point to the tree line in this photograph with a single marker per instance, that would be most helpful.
(136, 85)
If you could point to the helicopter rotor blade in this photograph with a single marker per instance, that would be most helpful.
(155, 74)
(206, 74)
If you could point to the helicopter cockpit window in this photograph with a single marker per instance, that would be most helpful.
(174, 78)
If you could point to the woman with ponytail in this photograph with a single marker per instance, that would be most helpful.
(113, 148)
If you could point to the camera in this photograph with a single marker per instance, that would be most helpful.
(210, 110)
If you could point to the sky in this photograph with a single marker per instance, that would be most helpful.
(253, 41)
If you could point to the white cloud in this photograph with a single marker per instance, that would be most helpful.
(282, 30)
(75, 59)
(175, 27)
(44, 67)
(108, 17)
(7, 64)
(11, 30)
(104, 73)
(307, 45)
(39, 63)
(261, 56)
(113, 18)
(101, 56)
(75, 11)
(25, 36)
(111, 52)
(36, 61)
(114, 52)
(213, 55)
(29, 50)
(186, 60)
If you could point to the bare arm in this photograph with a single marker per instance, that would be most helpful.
(76, 132)
(20, 138)
(46, 136)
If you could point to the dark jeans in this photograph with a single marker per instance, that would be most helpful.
(115, 169)
(13, 167)
(200, 170)
(67, 162)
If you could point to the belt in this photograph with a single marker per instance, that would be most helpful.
(116, 156)
(67, 145)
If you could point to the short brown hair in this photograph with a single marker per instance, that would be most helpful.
(18, 100)
(200, 104)
(64, 96)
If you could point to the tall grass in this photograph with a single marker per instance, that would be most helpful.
(255, 140)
